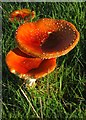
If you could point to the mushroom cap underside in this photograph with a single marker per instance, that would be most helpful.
(26, 66)
(47, 38)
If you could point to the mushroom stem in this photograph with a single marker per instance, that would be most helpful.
(32, 82)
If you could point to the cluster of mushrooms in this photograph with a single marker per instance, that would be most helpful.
(39, 43)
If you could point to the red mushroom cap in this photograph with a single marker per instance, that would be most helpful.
(22, 14)
(26, 66)
(47, 38)
(46, 67)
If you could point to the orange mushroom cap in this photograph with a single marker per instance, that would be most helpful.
(22, 14)
(26, 66)
(47, 38)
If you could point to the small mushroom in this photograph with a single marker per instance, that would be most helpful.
(47, 38)
(25, 14)
(28, 67)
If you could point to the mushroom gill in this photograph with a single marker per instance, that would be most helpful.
(47, 38)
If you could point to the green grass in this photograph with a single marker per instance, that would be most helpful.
(60, 95)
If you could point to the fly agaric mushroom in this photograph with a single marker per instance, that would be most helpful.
(25, 14)
(47, 38)
(28, 67)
